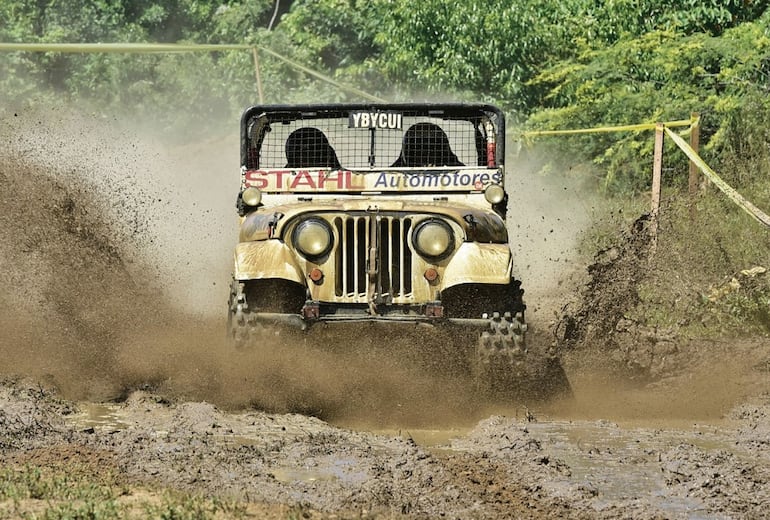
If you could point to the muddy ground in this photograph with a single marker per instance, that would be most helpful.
(622, 453)
(115, 369)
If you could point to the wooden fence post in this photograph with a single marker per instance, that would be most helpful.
(693, 181)
(657, 168)
(258, 76)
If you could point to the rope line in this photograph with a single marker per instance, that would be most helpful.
(156, 48)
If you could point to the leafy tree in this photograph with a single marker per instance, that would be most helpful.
(193, 90)
(331, 34)
(609, 20)
(658, 76)
(487, 49)
(493, 49)
(336, 37)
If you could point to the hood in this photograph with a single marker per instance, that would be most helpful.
(479, 225)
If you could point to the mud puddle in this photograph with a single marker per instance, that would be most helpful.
(655, 468)
(612, 463)
(99, 416)
(618, 464)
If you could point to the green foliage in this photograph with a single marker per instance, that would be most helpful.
(66, 496)
(658, 76)
(491, 50)
(479, 49)
(610, 20)
(184, 507)
(194, 92)
(747, 305)
(82, 511)
(331, 34)
(333, 37)
(700, 278)
(33, 483)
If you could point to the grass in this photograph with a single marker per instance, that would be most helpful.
(703, 267)
(37, 493)
(699, 280)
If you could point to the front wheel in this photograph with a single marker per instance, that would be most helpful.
(511, 365)
(244, 330)
(505, 365)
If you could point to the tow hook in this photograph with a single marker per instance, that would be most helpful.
(311, 310)
(434, 310)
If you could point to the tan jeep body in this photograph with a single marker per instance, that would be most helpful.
(386, 213)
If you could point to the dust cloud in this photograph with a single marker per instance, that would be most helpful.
(105, 233)
(548, 211)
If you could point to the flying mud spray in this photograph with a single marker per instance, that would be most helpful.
(117, 251)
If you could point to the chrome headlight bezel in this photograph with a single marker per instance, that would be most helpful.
(441, 247)
(313, 238)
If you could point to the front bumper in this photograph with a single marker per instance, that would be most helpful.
(297, 322)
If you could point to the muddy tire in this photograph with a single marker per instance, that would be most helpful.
(238, 330)
(507, 366)
(499, 355)
(243, 331)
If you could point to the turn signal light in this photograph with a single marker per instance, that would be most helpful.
(316, 275)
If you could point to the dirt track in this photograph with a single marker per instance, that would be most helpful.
(114, 373)
(517, 462)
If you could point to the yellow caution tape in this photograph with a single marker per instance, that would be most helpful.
(728, 190)
(622, 128)
(736, 197)
(147, 48)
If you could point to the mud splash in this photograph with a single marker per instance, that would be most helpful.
(118, 253)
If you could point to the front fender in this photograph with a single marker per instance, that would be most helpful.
(479, 263)
(266, 259)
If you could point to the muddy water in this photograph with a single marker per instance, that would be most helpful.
(619, 464)
(616, 464)
(607, 466)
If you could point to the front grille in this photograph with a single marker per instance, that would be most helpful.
(394, 257)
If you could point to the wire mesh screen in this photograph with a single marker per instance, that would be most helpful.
(360, 140)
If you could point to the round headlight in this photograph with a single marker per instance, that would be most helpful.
(251, 196)
(433, 239)
(312, 238)
(494, 194)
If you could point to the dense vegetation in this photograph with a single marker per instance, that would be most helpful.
(567, 64)
(571, 64)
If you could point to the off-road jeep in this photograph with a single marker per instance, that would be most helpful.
(386, 213)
